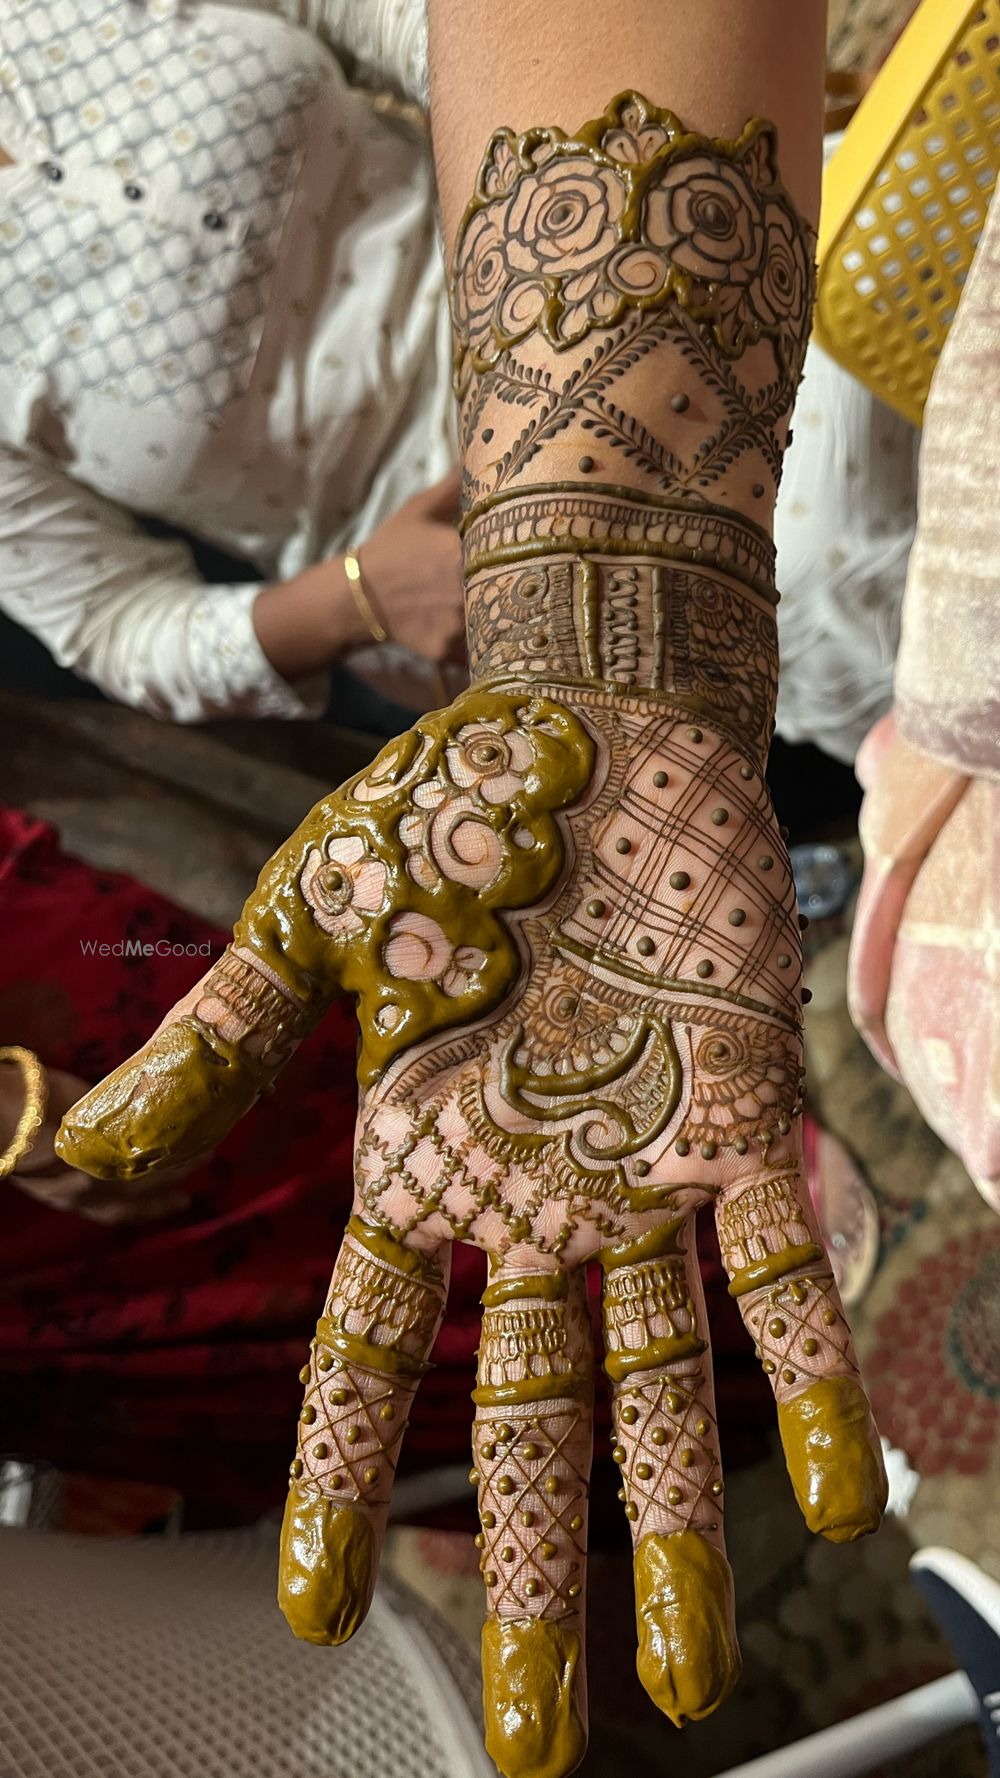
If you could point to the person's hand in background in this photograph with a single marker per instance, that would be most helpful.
(412, 568)
(43, 1176)
(412, 580)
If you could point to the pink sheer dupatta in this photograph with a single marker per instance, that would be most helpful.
(924, 982)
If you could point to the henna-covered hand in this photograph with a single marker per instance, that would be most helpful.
(569, 921)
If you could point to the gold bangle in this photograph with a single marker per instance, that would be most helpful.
(355, 580)
(36, 1096)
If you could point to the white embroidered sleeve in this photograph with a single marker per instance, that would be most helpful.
(130, 612)
(386, 39)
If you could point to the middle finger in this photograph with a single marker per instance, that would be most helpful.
(532, 1444)
(659, 1359)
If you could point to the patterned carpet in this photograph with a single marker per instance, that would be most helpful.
(826, 1632)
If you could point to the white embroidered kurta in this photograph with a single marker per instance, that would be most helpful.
(222, 305)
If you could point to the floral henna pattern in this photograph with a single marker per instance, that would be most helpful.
(566, 233)
(568, 919)
(341, 881)
(394, 885)
(589, 270)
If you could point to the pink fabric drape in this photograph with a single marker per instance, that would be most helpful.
(924, 980)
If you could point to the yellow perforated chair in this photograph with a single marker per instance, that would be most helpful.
(905, 197)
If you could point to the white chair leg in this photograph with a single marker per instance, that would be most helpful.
(857, 1746)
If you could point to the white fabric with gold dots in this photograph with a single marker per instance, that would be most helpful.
(221, 304)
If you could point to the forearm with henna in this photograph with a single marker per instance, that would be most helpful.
(569, 921)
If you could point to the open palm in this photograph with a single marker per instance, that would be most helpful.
(571, 929)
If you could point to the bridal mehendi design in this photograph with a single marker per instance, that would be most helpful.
(666, 1442)
(565, 234)
(568, 918)
(531, 1455)
(388, 890)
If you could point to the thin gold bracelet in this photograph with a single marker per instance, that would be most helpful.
(355, 580)
(36, 1097)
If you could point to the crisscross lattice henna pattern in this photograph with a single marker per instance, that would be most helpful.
(569, 921)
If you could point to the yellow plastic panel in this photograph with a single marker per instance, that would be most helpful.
(905, 198)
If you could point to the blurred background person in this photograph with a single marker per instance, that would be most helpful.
(221, 311)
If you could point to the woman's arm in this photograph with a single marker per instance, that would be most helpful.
(132, 613)
(127, 611)
(412, 584)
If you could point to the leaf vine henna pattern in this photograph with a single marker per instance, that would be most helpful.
(568, 919)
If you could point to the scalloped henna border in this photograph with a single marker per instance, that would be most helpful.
(735, 326)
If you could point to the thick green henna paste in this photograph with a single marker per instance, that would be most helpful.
(393, 889)
(688, 1657)
(531, 1678)
(452, 825)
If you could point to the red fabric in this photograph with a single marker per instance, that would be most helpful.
(170, 1353)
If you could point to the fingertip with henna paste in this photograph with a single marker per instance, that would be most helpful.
(834, 1458)
(327, 1567)
(688, 1658)
(532, 1674)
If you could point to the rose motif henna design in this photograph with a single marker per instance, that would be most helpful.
(782, 291)
(565, 217)
(341, 881)
(626, 215)
(482, 758)
(484, 277)
(568, 919)
(708, 219)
